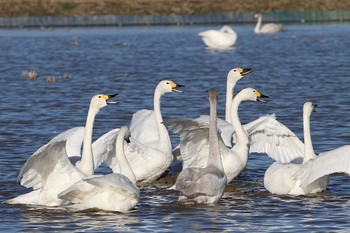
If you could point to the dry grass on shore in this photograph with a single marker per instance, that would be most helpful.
(160, 7)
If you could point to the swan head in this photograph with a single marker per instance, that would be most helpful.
(212, 94)
(309, 107)
(251, 94)
(237, 73)
(101, 100)
(165, 86)
(257, 15)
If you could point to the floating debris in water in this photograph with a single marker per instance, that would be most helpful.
(31, 74)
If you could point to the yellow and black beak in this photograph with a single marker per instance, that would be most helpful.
(260, 97)
(174, 86)
(314, 106)
(245, 71)
(108, 97)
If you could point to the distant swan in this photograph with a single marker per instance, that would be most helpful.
(266, 28)
(224, 38)
(311, 176)
(194, 139)
(205, 185)
(112, 192)
(149, 152)
(49, 170)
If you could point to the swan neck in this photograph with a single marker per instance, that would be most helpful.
(214, 151)
(86, 164)
(229, 95)
(258, 24)
(242, 137)
(163, 133)
(156, 106)
(309, 152)
(124, 166)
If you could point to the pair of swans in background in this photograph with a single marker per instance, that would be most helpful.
(266, 28)
(312, 175)
(224, 38)
(264, 135)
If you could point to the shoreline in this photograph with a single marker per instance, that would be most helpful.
(147, 20)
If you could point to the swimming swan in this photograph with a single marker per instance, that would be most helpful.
(205, 185)
(266, 28)
(224, 38)
(311, 176)
(149, 152)
(112, 192)
(49, 170)
(194, 139)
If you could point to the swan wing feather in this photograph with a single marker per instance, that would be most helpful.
(267, 135)
(327, 163)
(104, 149)
(51, 158)
(194, 141)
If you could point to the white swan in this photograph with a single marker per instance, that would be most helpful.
(49, 171)
(311, 176)
(266, 28)
(224, 38)
(205, 185)
(149, 152)
(233, 76)
(194, 139)
(112, 192)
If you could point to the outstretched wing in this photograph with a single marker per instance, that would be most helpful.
(50, 158)
(194, 141)
(224, 127)
(104, 149)
(334, 161)
(267, 135)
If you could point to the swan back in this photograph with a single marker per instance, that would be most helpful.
(224, 38)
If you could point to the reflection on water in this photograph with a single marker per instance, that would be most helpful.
(305, 63)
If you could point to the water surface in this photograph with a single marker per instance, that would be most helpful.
(305, 63)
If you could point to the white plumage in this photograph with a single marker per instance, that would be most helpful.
(149, 152)
(57, 165)
(224, 38)
(310, 176)
(194, 136)
(266, 28)
(112, 192)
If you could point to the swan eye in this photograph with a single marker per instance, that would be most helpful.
(167, 82)
(99, 96)
(234, 70)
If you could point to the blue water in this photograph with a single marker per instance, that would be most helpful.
(308, 62)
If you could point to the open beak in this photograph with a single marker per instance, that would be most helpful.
(246, 71)
(315, 106)
(261, 98)
(176, 90)
(110, 97)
